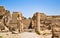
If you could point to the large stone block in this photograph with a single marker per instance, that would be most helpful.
(2, 10)
(15, 15)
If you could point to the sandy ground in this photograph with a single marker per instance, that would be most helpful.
(24, 35)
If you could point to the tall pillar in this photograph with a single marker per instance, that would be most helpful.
(38, 22)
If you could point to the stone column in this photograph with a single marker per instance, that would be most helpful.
(38, 22)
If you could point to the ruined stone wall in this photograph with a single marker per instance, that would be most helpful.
(17, 22)
(56, 28)
(44, 21)
(4, 18)
(49, 23)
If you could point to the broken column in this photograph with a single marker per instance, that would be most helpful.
(38, 22)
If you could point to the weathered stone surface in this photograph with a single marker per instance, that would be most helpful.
(16, 22)
(4, 18)
(2, 10)
(56, 28)
(37, 22)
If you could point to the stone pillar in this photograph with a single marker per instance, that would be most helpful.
(38, 22)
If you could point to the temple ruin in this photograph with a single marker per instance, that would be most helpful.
(17, 23)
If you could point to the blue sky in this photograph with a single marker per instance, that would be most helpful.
(29, 7)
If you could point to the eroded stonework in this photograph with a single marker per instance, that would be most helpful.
(17, 23)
